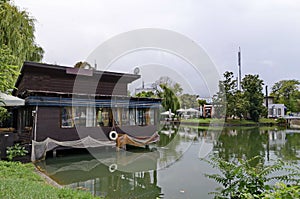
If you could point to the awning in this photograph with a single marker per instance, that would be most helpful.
(9, 100)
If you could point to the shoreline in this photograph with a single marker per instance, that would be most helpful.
(229, 123)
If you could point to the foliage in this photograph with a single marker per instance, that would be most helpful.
(229, 85)
(243, 179)
(239, 104)
(248, 103)
(17, 33)
(287, 92)
(168, 82)
(4, 115)
(15, 151)
(149, 94)
(281, 190)
(252, 88)
(170, 100)
(281, 120)
(220, 102)
(8, 69)
(188, 101)
(21, 181)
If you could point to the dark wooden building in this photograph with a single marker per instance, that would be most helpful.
(69, 104)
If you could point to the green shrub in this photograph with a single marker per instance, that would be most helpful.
(249, 178)
(15, 151)
(282, 190)
(281, 120)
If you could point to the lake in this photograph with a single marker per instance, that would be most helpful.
(172, 168)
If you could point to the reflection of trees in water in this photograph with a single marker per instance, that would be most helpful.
(123, 185)
(129, 185)
(173, 145)
(169, 147)
(241, 143)
(290, 150)
(100, 179)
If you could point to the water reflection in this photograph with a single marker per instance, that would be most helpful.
(172, 168)
(111, 174)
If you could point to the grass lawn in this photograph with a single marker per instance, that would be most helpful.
(19, 180)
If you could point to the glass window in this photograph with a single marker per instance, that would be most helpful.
(270, 111)
(90, 116)
(67, 117)
(152, 116)
(79, 114)
(132, 114)
(104, 117)
(125, 116)
(279, 111)
(141, 117)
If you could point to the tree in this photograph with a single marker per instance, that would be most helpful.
(240, 104)
(169, 99)
(167, 81)
(188, 101)
(224, 100)
(219, 102)
(252, 87)
(17, 34)
(8, 69)
(149, 94)
(8, 74)
(287, 92)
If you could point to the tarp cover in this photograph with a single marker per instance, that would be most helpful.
(136, 141)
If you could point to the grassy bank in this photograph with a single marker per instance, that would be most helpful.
(230, 122)
(21, 181)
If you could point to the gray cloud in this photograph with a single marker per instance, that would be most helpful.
(268, 31)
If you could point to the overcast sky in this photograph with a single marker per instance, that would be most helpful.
(268, 31)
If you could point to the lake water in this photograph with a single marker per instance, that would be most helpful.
(173, 168)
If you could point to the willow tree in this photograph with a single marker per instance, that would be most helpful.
(8, 69)
(169, 98)
(17, 33)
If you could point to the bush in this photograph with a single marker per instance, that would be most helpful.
(249, 178)
(15, 151)
(283, 191)
(281, 121)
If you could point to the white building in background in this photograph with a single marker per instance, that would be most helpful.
(274, 110)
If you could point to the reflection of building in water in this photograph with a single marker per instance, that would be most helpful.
(123, 185)
(277, 138)
(113, 176)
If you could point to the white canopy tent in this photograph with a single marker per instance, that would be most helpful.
(192, 110)
(181, 110)
(167, 113)
(9, 100)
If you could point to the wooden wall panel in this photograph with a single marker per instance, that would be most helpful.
(58, 81)
(49, 125)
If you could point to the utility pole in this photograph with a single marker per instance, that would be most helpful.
(267, 101)
(240, 69)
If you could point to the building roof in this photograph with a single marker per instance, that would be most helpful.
(55, 78)
(277, 106)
